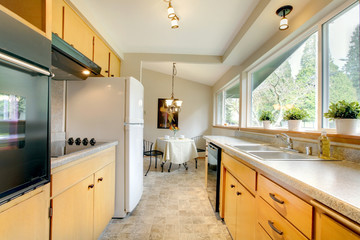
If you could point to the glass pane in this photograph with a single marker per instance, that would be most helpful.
(293, 83)
(341, 59)
(231, 108)
(12, 121)
(219, 110)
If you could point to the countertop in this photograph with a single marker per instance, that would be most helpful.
(335, 184)
(59, 161)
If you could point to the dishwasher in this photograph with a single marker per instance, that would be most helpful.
(213, 175)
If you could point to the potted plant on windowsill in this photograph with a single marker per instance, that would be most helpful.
(294, 116)
(267, 119)
(345, 115)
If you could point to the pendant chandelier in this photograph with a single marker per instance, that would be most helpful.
(173, 105)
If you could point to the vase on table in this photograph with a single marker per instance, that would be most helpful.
(174, 132)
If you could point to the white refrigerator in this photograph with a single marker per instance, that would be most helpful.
(109, 109)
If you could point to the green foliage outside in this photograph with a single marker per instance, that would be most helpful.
(295, 114)
(343, 109)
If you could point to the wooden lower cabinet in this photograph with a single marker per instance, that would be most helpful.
(239, 209)
(261, 234)
(331, 229)
(26, 217)
(104, 196)
(73, 212)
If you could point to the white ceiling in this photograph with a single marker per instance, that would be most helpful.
(207, 27)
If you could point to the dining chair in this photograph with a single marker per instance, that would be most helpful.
(200, 145)
(148, 151)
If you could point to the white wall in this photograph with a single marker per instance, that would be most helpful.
(196, 114)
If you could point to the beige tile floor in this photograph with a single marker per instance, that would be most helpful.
(173, 206)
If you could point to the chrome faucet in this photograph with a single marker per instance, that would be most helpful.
(286, 139)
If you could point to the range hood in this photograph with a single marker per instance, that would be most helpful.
(68, 63)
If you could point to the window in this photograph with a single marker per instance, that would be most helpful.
(287, 81)
(341, 59)
(227, 105)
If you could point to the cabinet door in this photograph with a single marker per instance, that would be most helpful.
(101, 56)
(230, 203)
(28, 219)
(77, 33)
(73, 212)
(261, 234)
(114, 65)
(104, 198)
(245, 214)
(330, 229)
(57, 17)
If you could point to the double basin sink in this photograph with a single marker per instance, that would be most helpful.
(269, 153)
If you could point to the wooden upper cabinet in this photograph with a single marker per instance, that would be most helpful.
(77, 33)
(102, 56)
(57, 17)
(114, 65)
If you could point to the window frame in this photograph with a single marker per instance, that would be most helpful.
(321, 86)
(230, 84)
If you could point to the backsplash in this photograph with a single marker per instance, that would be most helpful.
(340, 151)
(57, 110)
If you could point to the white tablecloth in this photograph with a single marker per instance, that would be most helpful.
(178, 151)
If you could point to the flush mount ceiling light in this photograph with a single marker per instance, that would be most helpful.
(282, 12)
(173, 105)
(171, 14)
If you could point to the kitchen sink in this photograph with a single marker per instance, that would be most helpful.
(283, 156)
(248, 148)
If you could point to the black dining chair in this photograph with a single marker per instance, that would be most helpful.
(148, 151)
(200, 146)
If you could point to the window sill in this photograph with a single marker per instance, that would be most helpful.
(226, 127)
(310, 134)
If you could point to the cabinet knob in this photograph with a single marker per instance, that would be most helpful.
(232, 185)
(112, 75)
(106, 71)
(275, 198)
(90, 186)
(238, 193)
(100, 179)
(271, 224)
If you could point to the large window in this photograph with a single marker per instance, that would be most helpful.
(287, 81)
(227, 105)
(341, 59)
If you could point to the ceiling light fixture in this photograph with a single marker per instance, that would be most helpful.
(282, 12)
(173, 105)
(172, 15)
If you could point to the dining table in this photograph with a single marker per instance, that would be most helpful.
(176, 150)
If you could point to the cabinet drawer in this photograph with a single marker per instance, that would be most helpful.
(243, 173)
(275, 225)
(296, 210)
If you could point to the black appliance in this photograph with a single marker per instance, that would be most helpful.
(68, 63)
(24, 109)
(61, 148)
(213, 175)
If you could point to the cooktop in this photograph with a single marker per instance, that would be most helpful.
(61, 148)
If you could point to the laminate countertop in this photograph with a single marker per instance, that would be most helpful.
(335, 184)
(67, 158)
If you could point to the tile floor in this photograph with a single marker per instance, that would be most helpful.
(173, 206)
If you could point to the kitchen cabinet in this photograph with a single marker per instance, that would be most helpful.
(239, 203)
(77, 33)
(261, 234)
(58, 10)
(114, 65)
(26, 217)
(102, 56)
(73, 212)
(104, 196)
(83, 196)
(331, 229)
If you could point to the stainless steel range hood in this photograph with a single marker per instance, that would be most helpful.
(68, 63)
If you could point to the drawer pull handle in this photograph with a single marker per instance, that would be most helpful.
(232, 185)
(100, 179)
(90, 186)
(276, 199)
(271, 224)
(238, 193)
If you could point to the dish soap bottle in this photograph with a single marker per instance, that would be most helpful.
(324, 146)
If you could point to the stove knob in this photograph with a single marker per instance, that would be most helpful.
(92, 141)
(78, 141)
(70, 141)
(85, 141)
